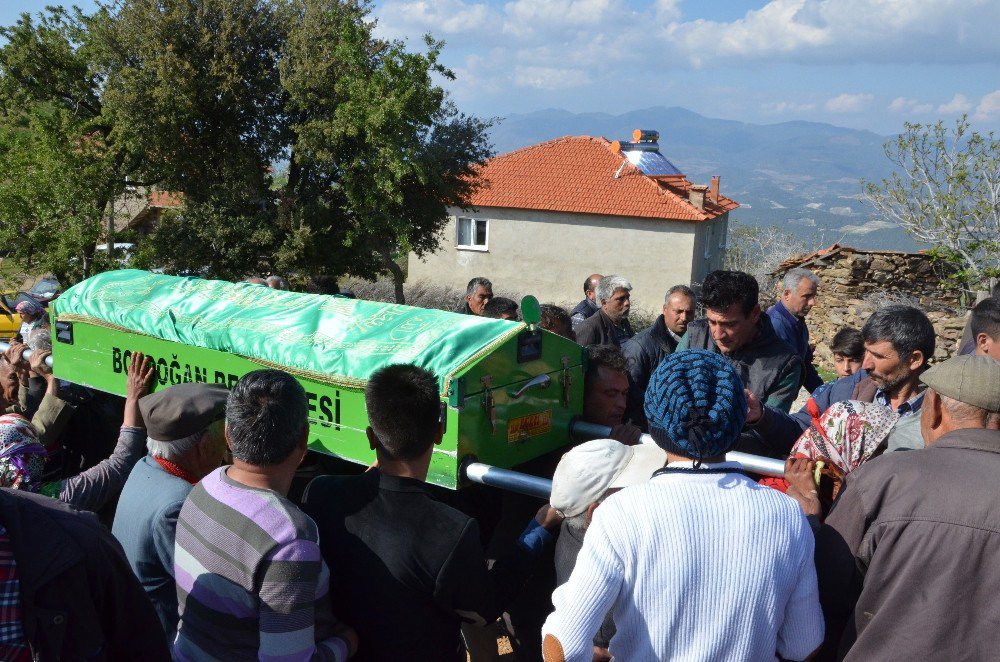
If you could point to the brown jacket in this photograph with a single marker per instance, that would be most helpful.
(909, 558)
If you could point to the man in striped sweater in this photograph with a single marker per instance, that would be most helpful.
(701, 562)
(251, 583)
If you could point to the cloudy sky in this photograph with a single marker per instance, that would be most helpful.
(869, 64)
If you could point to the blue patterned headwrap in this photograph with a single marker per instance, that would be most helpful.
(695, 404)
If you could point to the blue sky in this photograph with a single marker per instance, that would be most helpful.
(870, 64)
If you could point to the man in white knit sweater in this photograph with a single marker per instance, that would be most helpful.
(701, 562)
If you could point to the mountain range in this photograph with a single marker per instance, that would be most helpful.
(801, 176)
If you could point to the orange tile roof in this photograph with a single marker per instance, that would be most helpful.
(577, 174)
(165, 199)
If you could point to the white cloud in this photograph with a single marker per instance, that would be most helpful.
(840, 211)
(848, 103)
(447, 17)
(910, 106)
(528, 17)
(958, 104)
(840, 31)
(667, 11)
(989, 107)
(549, 78)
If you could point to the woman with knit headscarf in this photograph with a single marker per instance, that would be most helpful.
(837, 442)
(700, 562)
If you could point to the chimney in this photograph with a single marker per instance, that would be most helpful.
(696, 194)
(714, 190)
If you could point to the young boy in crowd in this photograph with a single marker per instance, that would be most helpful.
(848, 351)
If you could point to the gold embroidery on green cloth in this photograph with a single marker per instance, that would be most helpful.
(328, 339)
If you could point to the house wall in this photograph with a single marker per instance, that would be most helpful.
(549, 254)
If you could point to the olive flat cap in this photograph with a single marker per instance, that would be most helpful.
(182, 410)
(974, 380)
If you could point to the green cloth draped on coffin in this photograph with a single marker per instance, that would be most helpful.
(326, 338)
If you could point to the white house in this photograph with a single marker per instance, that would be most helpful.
(549, 215)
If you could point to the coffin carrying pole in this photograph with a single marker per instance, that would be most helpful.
(522, 483)
(4, 346)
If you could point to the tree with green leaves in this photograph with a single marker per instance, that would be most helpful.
(60, 174)
(206, 99)
(946, 193)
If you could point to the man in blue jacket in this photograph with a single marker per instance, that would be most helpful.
(788, 317)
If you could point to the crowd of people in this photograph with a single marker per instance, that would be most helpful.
(184, 539)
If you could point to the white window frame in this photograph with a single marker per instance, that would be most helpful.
(472, 247)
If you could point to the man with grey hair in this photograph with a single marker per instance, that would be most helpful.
(610, 326)
(186, 441)
(645, 351)
(788, 315)
(277, 283)
(909, 557)
(478, 293)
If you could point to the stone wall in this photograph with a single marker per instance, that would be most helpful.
(855, 283)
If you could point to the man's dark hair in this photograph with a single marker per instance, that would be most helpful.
(552, 316)
(404, 410)
(590, 284)
(986, 319)
(848, 342)
(722, 289)
(906, 328)
(609, 356)
(497, 306)
(476, 283)
(266, 413)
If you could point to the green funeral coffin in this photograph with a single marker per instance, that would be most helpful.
(508, 391)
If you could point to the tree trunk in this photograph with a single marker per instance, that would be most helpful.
(397, 274)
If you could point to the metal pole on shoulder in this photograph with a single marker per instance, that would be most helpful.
(522, 483)
(766, 466)
(4, 346)
(513, 481)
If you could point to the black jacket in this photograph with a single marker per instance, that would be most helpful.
(405, 569)
(644, 352)
(79, 597)
(584, 310)
(598, 330)
(767, 365)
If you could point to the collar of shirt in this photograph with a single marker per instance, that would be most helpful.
(908, 408)
(673, 335)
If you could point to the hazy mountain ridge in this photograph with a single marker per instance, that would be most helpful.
(801, 175)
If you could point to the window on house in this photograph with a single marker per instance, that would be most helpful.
(472, 233)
